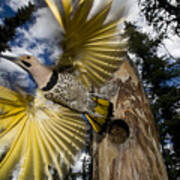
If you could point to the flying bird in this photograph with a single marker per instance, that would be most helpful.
(41, 134)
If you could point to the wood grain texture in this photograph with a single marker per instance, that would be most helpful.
(139, 157)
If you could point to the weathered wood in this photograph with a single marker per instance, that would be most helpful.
(139, 157)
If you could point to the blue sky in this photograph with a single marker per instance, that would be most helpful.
(38, 38)
(41, 37)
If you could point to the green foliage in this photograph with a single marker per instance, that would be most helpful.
(8, 29)
(157, 72)
(163, 15)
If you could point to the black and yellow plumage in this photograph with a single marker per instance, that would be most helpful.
(40, 135)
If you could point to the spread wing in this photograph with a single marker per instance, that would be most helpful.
(38, 140)
(92, 45)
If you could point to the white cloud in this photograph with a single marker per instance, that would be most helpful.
(10, 72)
(44, 29)
(20, 51)
(41, 37)
(15, 4)
(118, 7)
(79, 161)
(45, 32)
(9, 66)
(46, 25)
(133, 14)
(97, 4)
(1, 9)
(173, 44)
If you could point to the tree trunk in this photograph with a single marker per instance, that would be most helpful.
(136, 157)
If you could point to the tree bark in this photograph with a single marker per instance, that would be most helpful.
(138, 157)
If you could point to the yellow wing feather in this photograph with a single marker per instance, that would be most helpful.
(37, 137)
(92, 44)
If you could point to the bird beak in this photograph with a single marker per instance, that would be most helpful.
(10, 58)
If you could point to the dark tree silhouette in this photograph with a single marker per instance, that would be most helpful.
(8, 29)
(160, 76)
(163, 15)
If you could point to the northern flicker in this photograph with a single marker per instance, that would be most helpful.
(40, 135)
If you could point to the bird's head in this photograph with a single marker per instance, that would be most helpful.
(33, 66)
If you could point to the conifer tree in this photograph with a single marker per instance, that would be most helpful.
(160, 76)
(8, 29)
(163, 15)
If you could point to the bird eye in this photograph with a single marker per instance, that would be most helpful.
(26, 63)
(28, 57)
